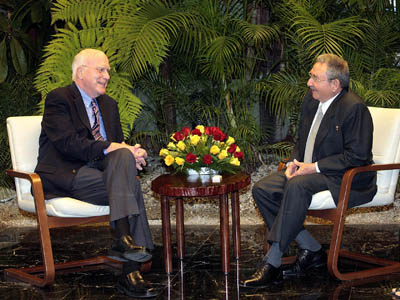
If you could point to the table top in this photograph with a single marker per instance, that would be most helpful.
(180, 185)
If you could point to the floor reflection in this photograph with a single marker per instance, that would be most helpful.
(199, 275)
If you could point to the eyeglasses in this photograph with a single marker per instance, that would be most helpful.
(316, 79)
(100, 70)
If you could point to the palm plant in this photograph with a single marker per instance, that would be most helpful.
(221, 44)
(133, 34)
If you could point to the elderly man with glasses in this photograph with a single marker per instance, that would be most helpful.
(82, 155)
(335, 134)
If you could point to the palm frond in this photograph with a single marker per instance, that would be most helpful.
(285, 90)
(142, 33)
(89, 12)
(382, 98)
(380, 44)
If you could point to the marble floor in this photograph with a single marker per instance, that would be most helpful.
(199, 276)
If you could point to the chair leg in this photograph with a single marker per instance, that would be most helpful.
(38, 276)
(44, 275)
(384, 266)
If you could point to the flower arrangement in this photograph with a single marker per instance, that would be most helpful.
(202, 147)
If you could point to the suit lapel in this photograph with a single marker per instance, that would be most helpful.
(80, 106)
(326, 121)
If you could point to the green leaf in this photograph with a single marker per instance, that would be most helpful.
(3, 24)
(36, 12)
(18, 57)
(3, 60)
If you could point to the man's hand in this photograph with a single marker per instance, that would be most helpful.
(290, 170)
(140, 156)
(139, 153)
(296, 168)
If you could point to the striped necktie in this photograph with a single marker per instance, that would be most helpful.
(308, 152)
(96, 125)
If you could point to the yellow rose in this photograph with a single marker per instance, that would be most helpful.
(181, 145)
(234, 161)
(194, 139)
(223, 154)
(169, 160)
(237, 149)
(164, 152)
(179, 161)
(230, 141)
(171, 146)
(201, 128)
(214, 149)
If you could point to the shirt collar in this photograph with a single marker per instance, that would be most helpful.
(326, 104)
(85, 97)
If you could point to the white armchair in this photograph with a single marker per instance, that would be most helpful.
(23, 133)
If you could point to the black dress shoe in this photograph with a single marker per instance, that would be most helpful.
(265, 275)
(305, 261)
(133, 285)
(125, 248)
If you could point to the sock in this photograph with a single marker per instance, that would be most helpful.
(130, 266)
(122, 227)
(274, 255)
(306, 241)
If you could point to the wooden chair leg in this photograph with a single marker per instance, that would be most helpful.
(383, 266)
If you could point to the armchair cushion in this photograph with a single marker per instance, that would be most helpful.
(23, 133)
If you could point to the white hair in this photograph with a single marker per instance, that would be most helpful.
(82, 57)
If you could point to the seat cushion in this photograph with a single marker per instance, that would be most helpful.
(65, 207)
(324, 200)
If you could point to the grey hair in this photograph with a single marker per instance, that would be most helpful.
(337, 68)
(81, 59)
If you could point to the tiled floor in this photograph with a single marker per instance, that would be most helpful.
(199, 276)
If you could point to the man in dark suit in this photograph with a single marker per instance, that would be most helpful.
(82, 155)
(335, 134)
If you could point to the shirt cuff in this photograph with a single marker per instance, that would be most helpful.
(316, 167)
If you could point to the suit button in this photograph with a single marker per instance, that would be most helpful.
(74, 171)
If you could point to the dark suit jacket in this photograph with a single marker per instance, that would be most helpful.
(66, 142)
(343, 141)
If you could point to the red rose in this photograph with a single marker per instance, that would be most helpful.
(207, 130)
(218, 136)
(211, 130)
(239, 155)
(196, 132)
(191, 158)
(185, 131)
(232, 148)
(178, 136)
(207, 159)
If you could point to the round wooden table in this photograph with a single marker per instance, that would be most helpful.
(178, 186)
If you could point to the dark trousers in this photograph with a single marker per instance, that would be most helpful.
(113, 182)
(283, 204)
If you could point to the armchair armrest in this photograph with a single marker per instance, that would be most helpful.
(348, 177)
(37, 188)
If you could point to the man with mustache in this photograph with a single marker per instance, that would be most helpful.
(335, 134)
(82, 155)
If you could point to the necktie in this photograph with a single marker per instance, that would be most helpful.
(96, 125)
(308, 152)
